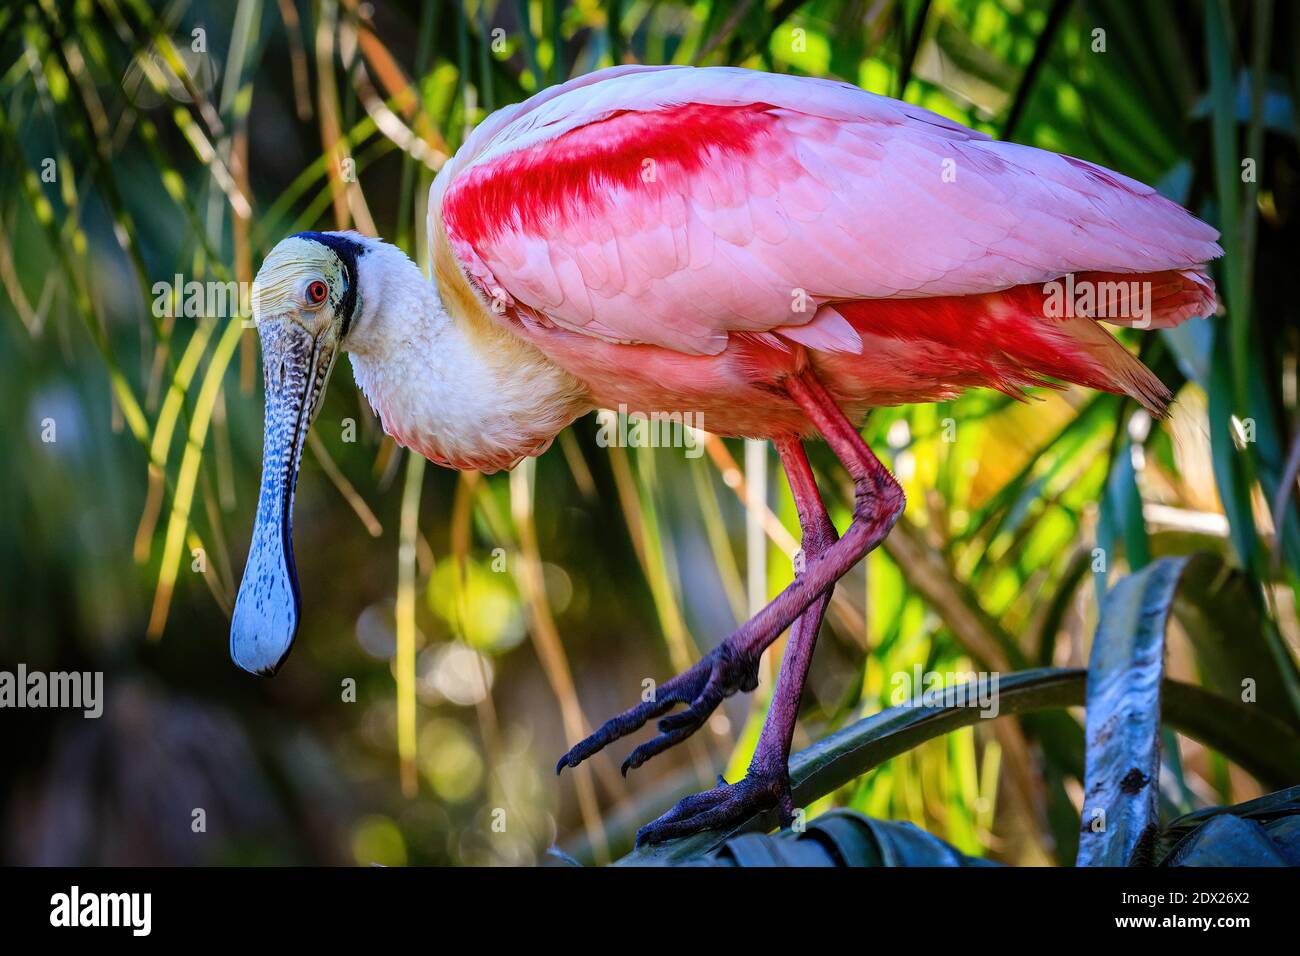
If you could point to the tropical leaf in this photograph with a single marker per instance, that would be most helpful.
(1279, 805)
(1229, 841)
(1259, 742)
(1263, 832)
(841, 838)
(1219, 610)
(1120, 806)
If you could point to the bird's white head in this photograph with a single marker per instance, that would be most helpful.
(458, 389)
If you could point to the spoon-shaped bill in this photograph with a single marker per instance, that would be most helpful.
(268, 606)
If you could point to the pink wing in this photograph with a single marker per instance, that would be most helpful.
(674, 206)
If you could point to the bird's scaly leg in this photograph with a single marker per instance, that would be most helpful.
(718, 674)
(767, 782)
(726, 669)
(732, 666)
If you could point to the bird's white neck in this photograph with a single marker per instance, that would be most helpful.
(458, 389)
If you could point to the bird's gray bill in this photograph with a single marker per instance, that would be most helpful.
(266, 614)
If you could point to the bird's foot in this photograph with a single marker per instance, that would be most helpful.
(719, 674)
(726, 805)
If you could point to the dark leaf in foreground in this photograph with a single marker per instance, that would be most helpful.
(1120, 806)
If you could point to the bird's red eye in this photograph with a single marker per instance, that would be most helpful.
(316, 292)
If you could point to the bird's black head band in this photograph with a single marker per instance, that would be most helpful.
(348, 251)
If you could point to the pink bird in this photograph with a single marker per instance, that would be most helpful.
(777, 254)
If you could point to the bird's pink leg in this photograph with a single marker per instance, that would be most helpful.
(733, 665)
(877, 502)
(767, 782)
(818, 534)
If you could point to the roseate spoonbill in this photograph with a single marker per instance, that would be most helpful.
(779, 254)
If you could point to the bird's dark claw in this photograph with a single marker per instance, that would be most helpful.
(726, 805)
(719, 674)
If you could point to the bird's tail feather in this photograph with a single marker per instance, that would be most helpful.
(1155, 300)
(1151, 300)
(1104, 363)
(1031, 334)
